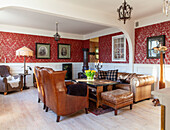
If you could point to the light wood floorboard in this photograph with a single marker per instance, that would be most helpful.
(20, 111)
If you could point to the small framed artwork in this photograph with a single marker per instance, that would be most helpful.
(42, 51)
(67, 67)
(154, 42)
(64, 51)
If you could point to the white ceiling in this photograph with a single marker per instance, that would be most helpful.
(31, 19)
(25, 18)
(141, 8)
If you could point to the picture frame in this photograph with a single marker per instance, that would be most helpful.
(153, 42)
(43, 51)
(64, 51)
(67, 67)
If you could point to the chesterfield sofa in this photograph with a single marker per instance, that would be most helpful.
(139, 84)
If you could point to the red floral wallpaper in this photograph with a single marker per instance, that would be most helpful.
(86, 43)
(10, 42)
(141, 35)
(105, 49)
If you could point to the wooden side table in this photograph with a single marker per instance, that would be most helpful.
(24, 75)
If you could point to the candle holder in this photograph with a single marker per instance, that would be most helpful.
(98, 66)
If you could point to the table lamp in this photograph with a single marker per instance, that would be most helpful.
(24, 51)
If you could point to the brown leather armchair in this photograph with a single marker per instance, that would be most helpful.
(56, 95)
(5, 87)
(40, 85)
(41, 94)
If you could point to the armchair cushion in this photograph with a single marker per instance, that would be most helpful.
(78, 89)
(112, 75)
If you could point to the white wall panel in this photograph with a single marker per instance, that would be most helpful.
(17, 68)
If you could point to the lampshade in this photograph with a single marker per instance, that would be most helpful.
(24, 51)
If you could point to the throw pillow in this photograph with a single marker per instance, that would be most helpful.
(102, 74)
(112, 75)
(79, 89)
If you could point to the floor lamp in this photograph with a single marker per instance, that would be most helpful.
(162, 50)
(25, 52)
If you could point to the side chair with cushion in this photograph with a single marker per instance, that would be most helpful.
(56, 95)
(9, 83)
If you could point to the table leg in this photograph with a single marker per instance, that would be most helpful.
(109, 88)
(25, 87)
(98, 95)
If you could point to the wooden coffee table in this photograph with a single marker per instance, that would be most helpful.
(97, 85)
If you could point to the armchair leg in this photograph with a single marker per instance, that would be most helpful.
(86, 110)
(58, 119)
(21, 89)
(44, 107)
(130, 106)
(5, 93)
(115, 112)
(46, 110)
(38, 100)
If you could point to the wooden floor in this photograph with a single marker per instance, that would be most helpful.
(20, 111)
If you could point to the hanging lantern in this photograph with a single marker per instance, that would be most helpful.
(57, 36)
(124, 11)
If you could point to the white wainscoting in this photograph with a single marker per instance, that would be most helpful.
(17, 68)
(149, 69)
(113, 66)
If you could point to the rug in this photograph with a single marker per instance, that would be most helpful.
(100, 110)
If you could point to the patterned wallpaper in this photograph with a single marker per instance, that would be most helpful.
(141, 35)
(10, 42)
(105, 49)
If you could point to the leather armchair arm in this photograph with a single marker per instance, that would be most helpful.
(70, 103)
(3, 84)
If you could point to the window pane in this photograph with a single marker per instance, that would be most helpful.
(122, 39)
(118, 48)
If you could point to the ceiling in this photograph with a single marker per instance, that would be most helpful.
(31, 19)
(141, 8)
(25, 18)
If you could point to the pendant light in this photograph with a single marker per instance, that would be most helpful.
(57, 36)
(166, 4)
(124, 11)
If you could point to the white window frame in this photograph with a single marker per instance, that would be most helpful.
(116, 37)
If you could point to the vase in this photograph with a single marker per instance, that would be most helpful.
(89, 78)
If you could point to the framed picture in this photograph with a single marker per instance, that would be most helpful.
(154, 42)
(64, 51)
(67, 67)
(42, 51)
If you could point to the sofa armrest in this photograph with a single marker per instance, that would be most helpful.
(139, 81)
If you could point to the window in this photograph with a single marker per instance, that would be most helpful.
(119, 48)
